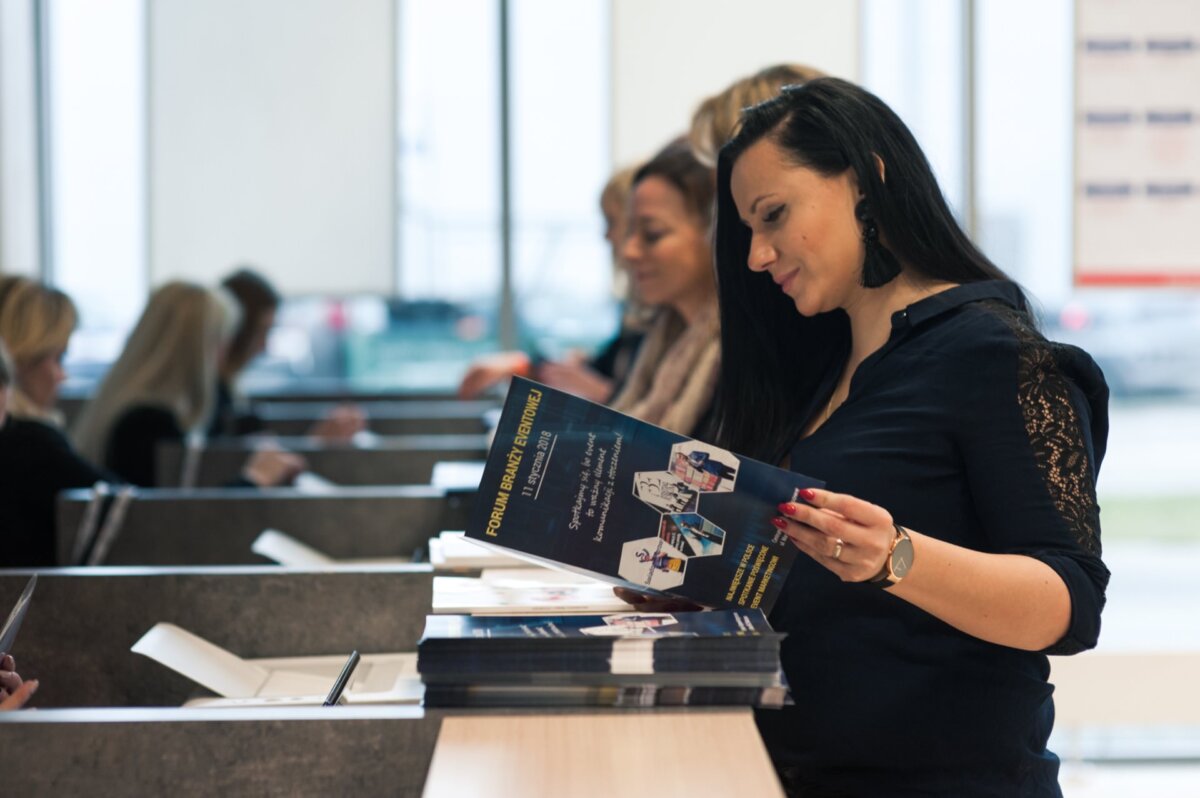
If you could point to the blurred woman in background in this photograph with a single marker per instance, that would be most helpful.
(259, 303)
(594, 378)
(36, 459)
(37, 323)
(161, 388)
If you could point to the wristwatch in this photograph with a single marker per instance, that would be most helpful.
(898, 562)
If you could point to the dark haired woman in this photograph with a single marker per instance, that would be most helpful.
(669, 258)
(259, 302)
(868, 342)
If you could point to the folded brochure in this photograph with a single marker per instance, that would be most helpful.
(575, 484)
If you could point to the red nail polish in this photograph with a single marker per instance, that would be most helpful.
(780, 523)
(787, 508)
(808, 494)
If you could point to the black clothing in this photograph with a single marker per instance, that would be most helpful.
(36, 462)
(133, 441)
(132, 446)
(969, 427)
(230, 420)
(616, 358)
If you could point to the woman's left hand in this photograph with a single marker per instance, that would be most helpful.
(849, 536)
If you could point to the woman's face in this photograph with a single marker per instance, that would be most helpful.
(40, 379)
(667, 250)
(803, 230)
(262, 330)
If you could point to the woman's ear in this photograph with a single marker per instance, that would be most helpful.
(879, 165)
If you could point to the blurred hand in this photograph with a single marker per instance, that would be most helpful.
(341, 425)
(14, 692)
(271, 468)
(486, 372)
(645, 603)
(575, 377)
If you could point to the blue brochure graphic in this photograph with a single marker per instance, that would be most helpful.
(584, 487)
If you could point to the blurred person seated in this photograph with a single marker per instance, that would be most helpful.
(668, 254)
(595, 378)
(36, 459)
(161, 388)
(233, 415)
(14, 691)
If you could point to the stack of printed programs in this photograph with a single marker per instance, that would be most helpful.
(720, 658)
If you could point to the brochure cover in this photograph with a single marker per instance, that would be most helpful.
(580, 485)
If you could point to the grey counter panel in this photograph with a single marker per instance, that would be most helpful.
(398, 460)
(330, 752)
(82, 621)
(215, 526)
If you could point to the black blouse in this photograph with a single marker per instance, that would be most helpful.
(36, 463)
(970, 427)
(132, 446)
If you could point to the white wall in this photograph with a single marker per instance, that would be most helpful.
(271, 130)
(668, 55)
(18, 141)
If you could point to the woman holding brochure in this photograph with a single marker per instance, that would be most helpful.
(868, 342)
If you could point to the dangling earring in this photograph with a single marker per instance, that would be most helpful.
(880, 266)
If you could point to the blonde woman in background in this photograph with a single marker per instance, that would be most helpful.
(716, 118)
(36, 459)
(596, 378)
(36, 323)
(161, 388)
(14, 691)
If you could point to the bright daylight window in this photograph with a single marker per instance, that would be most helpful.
(448, 162)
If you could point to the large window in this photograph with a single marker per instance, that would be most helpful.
(94, 132)
(455, 272)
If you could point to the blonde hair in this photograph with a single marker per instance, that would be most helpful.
(36, 321)
(716, 119)
(6, 369)
(618, 188)
(169, 361)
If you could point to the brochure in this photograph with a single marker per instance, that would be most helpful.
(580, 486)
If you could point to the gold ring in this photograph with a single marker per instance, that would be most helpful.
(837, 548)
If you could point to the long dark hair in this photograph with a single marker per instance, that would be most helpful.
(679, 166)
(257, 297)
(776, 362)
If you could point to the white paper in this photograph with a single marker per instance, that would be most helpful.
(632, 655)
(286, 550)
(207, 664)
(456, 550)
(523, 592)
(457, 475)
(313, 484)
(299, 681)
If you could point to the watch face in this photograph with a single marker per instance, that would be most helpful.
(902, 558)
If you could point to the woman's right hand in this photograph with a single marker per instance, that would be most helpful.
(487, 371)
(271, 468)
(646, 603)
(14, 692)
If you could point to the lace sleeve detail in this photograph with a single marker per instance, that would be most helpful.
(1055, 433)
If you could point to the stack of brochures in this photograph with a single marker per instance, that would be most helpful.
(720, 658)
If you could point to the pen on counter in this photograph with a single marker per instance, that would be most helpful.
(335, 694)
